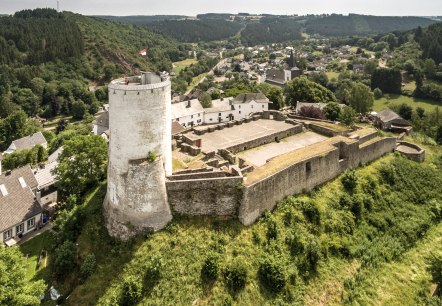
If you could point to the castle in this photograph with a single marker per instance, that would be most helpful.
(239, 168)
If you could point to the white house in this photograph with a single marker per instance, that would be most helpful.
(27, 142)
(20, 212)
(240, 107)
(188, 113)
(101, 123)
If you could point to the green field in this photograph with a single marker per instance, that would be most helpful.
(178, 66)
(393, 100)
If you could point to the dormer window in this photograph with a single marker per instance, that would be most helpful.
(3, 190)
(22, 182)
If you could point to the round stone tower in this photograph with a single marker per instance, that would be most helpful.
(140, 155)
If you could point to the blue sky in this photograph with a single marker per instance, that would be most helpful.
(193, 7)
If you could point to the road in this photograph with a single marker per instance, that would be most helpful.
(219, 65)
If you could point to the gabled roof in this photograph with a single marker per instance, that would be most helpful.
(28, 142)
(219, 105)
(186, 108)
(248, 97)
(177, 128)
(18, 203)
(387, 115)
(45, 176)
(275, 75)
(102, 120)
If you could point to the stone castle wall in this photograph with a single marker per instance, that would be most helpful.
(215, 196)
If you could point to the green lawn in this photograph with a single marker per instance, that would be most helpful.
(390, 100)
(178, 66)
(32, 249)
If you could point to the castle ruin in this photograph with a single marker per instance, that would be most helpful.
(238, 169)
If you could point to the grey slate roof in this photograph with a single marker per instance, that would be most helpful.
(387, 115)
(102, 120)
(275, 75)
(28, 142)
(219, 105)
(248, 97)
(20, 203)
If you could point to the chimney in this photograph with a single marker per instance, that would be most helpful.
(189, 103)
(38, 196)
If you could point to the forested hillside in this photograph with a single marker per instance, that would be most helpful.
(271, 30)
(196, 30)
(430, 40)
(48, 61)
(353, 24)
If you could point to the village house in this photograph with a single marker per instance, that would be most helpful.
(27, 143)
(279, 77)
(188, 113)
(240, 107)
(20, 210)
(388, 120)
(101, 125)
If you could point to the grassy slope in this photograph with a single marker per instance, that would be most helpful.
(389, 100)
(178, 66)
(184, 245)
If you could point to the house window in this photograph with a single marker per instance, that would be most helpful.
(177, 119)
(30, 223)
(219, 114)
(210, 119)
(199, 115)
(240, 107)
(240, 112)
(252, 106)
(7, 234)
(19, 229)
(263, 106)
(191, 116)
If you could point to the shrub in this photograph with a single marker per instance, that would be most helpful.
(88, 267)
(235, 276)
(349, 180)
(153, 270)
(388, 174)
(332, 111)
(295, 243)
(151, 156)
(271, 274)
(377, 93)
(272, 228)
(131, 291)
(65, 256)
(311, 112)
(210, 268)
(435, 268)
(312, 254)
(311, 211)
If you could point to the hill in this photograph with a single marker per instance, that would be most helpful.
(196, 30)
(271, 30)
(141, 19)
(354, 24)
(48, 60)
(337, 240)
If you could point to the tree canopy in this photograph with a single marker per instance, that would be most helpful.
(361, 98)
(15, 289)
(302, 89)
(81, 164)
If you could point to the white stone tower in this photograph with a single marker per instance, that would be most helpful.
(140, 122)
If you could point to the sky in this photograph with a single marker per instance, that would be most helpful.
(193, 7)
